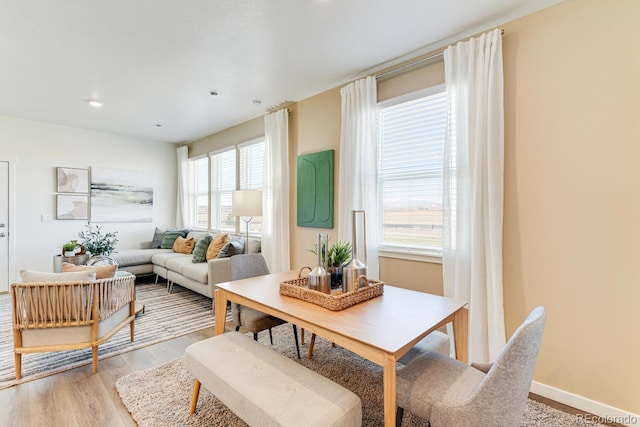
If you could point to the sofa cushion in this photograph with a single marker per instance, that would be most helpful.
(129, 257)
(29, 276)
(170, 237)
(161, 259)
(102, 271)
(198, 272)
(176, 264)
(200, 250)
(198, 235)
(216, 245)
(158, 236)
(183, 246)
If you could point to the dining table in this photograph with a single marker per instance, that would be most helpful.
(380, 329)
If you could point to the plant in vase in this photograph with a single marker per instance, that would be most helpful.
(97, 243)
(69, 248)
(338, 255)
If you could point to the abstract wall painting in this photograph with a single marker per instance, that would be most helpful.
(315, 190)
(121, 195)
(70, 206)
(72, 180)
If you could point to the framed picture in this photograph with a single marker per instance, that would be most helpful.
(72, 180)
(121, 195)
(71, 206)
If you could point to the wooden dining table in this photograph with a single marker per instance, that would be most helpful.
(381, 329)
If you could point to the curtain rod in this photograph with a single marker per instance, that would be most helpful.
(413, 64)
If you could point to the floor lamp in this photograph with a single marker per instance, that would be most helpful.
(246, 204)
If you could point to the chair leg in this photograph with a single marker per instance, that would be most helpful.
(94, 356)
(270, 336)
(295, 337)
(301, 336)
(312, 342)
(18, 362)
(194, 399)
(255, 336)
(237, 328)
(399, 414)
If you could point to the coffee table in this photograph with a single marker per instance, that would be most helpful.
(381, 330)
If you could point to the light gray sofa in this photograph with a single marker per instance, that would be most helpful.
(178, 268)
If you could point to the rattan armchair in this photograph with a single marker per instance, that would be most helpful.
(56, 316)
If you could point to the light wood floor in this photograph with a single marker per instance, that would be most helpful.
(79, 398)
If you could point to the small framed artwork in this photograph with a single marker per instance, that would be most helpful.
(71, 206)
(72, 180)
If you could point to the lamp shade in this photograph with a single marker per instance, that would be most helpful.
(247, 203)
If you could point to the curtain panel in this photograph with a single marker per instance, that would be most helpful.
(183, 211)
(473, 189)
(358, 182)
(275, 192)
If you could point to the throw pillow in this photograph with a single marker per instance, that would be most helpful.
(232, 248)
(183, 246)
(28, 276)
(158, 236)
(102, 271)
(216, 245)
(170, 237)
(200, 250)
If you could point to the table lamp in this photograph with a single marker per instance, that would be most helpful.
(246, 204)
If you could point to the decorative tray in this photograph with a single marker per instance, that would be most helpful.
(337, 300)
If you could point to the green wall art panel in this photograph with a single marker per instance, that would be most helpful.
(315, 189)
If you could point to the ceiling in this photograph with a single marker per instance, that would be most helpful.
(153, 63)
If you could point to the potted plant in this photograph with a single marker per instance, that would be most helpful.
(69, 248)
(97, 243)
(338, 255)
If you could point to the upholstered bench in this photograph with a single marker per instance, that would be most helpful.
(265, 388)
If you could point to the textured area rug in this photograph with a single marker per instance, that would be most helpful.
(165, 316)
(162, 395)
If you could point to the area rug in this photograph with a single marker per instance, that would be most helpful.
(165, 316)
(161, 396)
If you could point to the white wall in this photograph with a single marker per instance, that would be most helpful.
(35, 149)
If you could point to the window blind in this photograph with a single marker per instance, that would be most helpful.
(223, 182)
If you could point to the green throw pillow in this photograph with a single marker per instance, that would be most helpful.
(200, 251)
(170, 237)
(231, 248)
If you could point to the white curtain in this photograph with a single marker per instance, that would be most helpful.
(358, 184)
(473, 189)
(183, 216)
(275, 192)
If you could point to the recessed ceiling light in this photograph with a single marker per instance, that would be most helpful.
(256, 102)
(213, 93)
(95, 103)
(158, 125)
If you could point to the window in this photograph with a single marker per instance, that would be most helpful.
(223, 182)
(251, 174)
(411, 144)
(199, 197)
(213, 179)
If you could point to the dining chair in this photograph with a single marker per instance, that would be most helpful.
(242, 267)
(446, 392)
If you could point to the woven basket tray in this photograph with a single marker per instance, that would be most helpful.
(336, 301)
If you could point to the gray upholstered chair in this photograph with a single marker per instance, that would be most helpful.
(251, 265)
(447, 392)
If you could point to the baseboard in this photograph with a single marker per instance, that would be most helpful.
(605, 413)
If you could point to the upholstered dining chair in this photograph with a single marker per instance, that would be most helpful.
(447, 392)
(242, 267)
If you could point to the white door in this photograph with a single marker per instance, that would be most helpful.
(4, 226)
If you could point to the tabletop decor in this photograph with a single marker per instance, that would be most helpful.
(336, 300)
(97, 243)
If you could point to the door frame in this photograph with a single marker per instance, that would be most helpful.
(11, 219)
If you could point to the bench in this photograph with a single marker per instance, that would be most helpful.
(265, 388)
